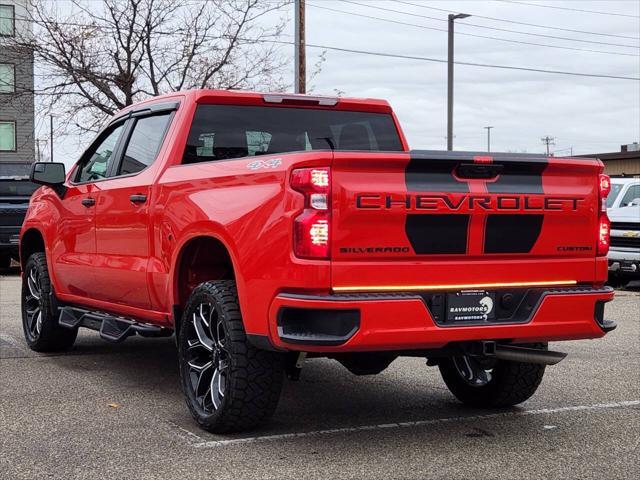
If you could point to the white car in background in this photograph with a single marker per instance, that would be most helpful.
(623, 209)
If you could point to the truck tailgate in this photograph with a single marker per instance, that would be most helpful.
(421, 220)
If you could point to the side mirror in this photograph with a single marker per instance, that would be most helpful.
(634, 203)
(49, 174)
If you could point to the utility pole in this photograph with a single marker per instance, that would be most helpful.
(51, 135)
(452, 18)
(488, 138)
(38, 147)
(300, 54)
(548, 141)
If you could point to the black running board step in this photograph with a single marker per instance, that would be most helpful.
(111, 328)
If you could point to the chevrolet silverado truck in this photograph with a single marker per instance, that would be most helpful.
(266, 228)
(14, 201)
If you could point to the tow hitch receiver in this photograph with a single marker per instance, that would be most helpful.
(520, 354)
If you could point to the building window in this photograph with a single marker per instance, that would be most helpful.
(7, 20)
(7, 78)
(7, 136)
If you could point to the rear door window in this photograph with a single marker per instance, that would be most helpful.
(221, 132)
(144, 143)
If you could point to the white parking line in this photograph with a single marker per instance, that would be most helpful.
(542, 411)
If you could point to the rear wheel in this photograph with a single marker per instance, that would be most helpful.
(229, 384)
(483, 382)
(39, 322)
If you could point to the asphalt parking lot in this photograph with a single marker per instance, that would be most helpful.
(116, 411)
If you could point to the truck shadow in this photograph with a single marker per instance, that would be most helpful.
(327, 395)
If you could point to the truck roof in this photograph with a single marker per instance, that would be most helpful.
(237, 97)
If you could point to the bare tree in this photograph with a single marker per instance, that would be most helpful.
(96, 58)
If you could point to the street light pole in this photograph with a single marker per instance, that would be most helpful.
(452, 18)
(51, 134)
(488, 138)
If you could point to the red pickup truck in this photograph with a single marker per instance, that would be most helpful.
(264, 228)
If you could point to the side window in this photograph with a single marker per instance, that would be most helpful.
(632, 194)
(97, 161)
(144, 143)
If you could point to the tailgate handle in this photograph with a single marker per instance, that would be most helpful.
(478, 170)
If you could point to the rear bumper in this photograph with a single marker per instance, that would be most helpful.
(371, 322)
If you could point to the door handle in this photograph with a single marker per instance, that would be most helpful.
(138, 198)
(88, 202)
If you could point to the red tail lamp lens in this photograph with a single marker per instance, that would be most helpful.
(311, 229)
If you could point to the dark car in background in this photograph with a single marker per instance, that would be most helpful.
(15, 193)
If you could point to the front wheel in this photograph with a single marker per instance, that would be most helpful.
(483, 382)
(229, 385)
(39, 320)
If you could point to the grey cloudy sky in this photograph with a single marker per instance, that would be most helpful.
(588, 114)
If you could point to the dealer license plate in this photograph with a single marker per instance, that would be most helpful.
(471, 305)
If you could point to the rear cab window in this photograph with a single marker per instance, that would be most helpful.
(221, 132)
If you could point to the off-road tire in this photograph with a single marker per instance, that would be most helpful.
(254, 377)
(49, 336)
(511, 383)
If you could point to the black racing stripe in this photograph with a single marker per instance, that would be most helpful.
(426, 175)
(519, 177)
(437, 234)
(512, 233)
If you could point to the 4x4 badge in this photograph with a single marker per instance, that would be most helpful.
(258, 164)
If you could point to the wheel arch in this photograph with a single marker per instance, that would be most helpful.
(31, 241)
(200, 258)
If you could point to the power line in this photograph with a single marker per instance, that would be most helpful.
(409, 57)
(492, 28)
(469, 34)
(518, 22)
(570, 9)
(470, 64)
(437, 60)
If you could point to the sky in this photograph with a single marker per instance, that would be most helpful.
(589, 114)
(583, 114)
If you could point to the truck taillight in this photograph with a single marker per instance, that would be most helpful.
(311, 229)
(604, 231)
(604, 225)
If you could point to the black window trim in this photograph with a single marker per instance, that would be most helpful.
(14, 78)
(13, 20)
